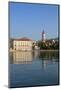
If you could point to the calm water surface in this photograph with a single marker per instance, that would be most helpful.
(33, 68)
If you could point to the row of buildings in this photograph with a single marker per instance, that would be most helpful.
(25, 44)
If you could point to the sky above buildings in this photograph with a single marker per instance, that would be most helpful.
(29, 20)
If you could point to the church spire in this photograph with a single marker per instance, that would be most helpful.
(43, 36)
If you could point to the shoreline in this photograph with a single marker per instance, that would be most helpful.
(33, 50)
(49, 50)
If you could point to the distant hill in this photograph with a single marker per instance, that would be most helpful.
(56, 39)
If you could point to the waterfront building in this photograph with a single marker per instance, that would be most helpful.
(24, 44)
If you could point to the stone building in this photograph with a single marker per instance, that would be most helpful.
(23, 44)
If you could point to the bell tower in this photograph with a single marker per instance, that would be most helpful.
(43, 36)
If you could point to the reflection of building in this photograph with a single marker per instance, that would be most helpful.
(44, 64)
(22, 57)
(36, 54)
(22, 44)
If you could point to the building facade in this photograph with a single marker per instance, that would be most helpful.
(23, 44)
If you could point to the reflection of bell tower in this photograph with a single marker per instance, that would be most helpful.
(43, 36)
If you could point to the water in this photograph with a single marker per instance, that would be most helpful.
(34, 68)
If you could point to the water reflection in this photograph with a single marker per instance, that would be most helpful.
(48, 58)
(33, 68)
(28, 57)
(22, 57)
(49, 55)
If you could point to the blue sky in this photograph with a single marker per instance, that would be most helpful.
(29, 20)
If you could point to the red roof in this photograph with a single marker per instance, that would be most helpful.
(23, 39)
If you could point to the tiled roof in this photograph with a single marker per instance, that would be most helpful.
(23, 39)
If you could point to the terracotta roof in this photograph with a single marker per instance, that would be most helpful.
(23, 39)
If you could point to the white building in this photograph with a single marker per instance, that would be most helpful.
(23, 44)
